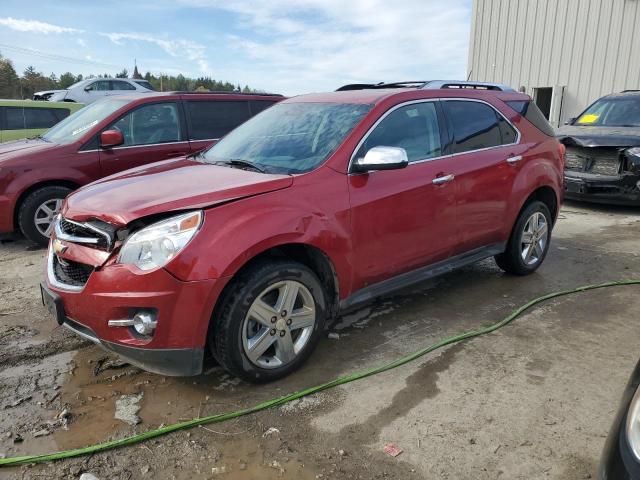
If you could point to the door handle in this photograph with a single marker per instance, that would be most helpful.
(443, 179)
(514, 159)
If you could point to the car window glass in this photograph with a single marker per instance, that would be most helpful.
(259, 105)
(14, 118)
(155, 123)
(120, 85)
(214, 119)
(531, 112)
(99, 86)
(475, 125)
(412, 127)
(40, 117)
(507, 132)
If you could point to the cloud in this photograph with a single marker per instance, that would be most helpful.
(301, 45)
(81, 42)
(177, 48)
(35, 26)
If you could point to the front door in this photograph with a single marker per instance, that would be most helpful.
(152, 132)
(402, 219)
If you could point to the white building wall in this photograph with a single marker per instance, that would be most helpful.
(591, 47)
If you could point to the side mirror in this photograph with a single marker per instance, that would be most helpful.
(382, 158)
(87, 88)
(111, 138)
(570, 121)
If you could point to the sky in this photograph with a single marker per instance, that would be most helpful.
(281, 46)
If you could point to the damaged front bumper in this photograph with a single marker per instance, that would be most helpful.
(621, 189)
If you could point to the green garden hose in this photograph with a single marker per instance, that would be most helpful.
(100, 447)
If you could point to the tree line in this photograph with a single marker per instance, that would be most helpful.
(14, 86)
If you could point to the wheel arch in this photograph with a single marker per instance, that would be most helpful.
(310, 256)
(36, 186)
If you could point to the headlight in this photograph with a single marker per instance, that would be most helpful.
(154, 246)
(635, 151)
(633, 425)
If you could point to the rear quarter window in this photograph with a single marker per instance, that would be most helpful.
(214, 119)
(532, 113)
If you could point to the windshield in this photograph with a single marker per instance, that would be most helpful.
(289, 137)
(612, 112)
(74, 126)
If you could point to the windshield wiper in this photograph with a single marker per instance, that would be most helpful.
(238, 162)
(38, 137)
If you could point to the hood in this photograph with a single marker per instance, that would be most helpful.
(599, 136)
(19, 148)
(47, 92)
(164, 187)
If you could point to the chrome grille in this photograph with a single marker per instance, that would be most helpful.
(71, 273)
(85, 233)
(601, 161)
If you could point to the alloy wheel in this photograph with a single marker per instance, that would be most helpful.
(534, 239)
(45, 215)
(279, 324)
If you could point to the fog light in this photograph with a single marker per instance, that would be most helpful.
(638, 184)
(144, 323)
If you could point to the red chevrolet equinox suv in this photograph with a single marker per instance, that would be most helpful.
(317, 204)
(107, 137)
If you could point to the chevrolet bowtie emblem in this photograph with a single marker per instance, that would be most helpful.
(58, 247)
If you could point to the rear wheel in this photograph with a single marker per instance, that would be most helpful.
(38, 211)
(529, 242)
(270, 321)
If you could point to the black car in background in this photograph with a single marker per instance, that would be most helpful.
(603, 151)
(621, 455)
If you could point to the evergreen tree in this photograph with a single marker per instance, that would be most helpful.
(9, 81)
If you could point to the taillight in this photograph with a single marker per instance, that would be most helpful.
(562, 150)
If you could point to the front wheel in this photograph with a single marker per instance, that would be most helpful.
(529, 241)
(270, 321)
(38, 211)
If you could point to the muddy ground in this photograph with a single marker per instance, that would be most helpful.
(534, 400)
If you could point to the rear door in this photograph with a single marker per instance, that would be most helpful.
(401, 219)
(210, 120)
(486, 156)
(152, 132)
(118, 87)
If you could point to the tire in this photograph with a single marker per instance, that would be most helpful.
(517, 259)
(235, 328)
(46, 196)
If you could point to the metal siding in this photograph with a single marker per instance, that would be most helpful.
(589, 46)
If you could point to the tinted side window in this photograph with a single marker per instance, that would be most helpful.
(14, 118)
(508, 133)
(120, 85)
(155, 123)
(475, 125)
(212, 119)
(531, 112)
(40, 117)
(412, 127)
(259, 105)
(100, 85)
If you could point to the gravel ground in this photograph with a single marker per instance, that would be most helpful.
(534, 400)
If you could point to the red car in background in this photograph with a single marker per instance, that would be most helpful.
(104, 138)
(319, 203)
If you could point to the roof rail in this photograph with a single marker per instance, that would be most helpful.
(223, 92)
(435, 84)
(429, 84)
(630, 91)
(368, 86)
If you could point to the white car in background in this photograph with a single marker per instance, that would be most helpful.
(92, 89)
